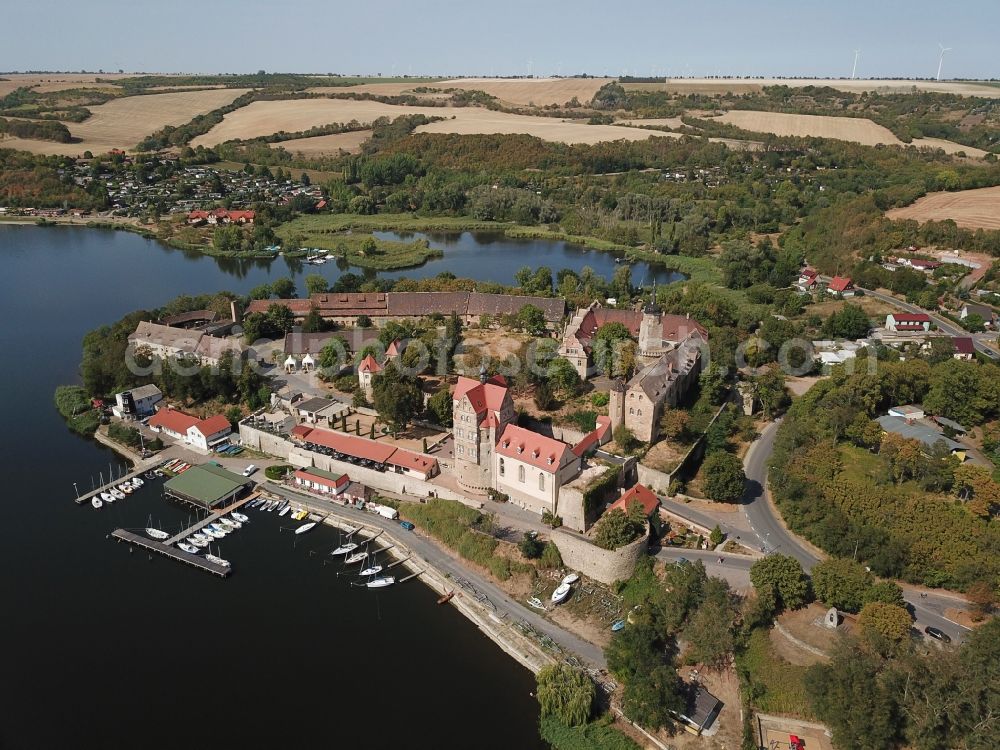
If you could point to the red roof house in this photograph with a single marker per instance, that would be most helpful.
(540, 451)
(369, 364)
(172, 422)
(841, 285)
(638, 494)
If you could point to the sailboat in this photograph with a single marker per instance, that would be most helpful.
(372, 569)
(343, 549)
(157, 533)
(305, 527)
(217, 560)
(379, 583)
(355, 558)
(107, 497)
(240, 517)
(189, 548)
(96, 502)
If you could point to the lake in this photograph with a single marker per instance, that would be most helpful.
(108, 649)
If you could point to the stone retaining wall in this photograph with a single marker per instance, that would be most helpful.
(604, 565)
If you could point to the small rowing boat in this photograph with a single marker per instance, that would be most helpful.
(446, 597)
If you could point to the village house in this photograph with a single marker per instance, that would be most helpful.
(841, 286)
(984, 312)
(165, 342)
(907, 322)
(323, 482)
(808, 280)
(637, 494)
(200, 433)
(927, 436)
(965, 348)
(220, 216)
(137, 403)
(367, 370)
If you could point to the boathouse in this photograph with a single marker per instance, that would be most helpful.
(207, 486)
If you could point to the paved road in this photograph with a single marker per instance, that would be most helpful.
(928, 606)
(944, 324)
(506, 607)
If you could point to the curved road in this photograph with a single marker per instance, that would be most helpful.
(928, 606)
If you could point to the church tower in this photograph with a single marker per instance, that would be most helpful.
(651, 329)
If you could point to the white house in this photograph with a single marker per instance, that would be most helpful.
(137, 403)
(984, 312)
(207, 433)
(531, 468)
(908, 322)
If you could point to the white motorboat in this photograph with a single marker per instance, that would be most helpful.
(217, 560)
(379, 583)
(137, 482)
(198, 542)
(560, 594)
(189, 548)
(571, 578)
(240, 517)
(305, 527)
(96, 502)
(271, 506)
(284, 511)
(536, 603)
(355, 558)
(107, 497)
(157, 533)
(126, 488)
(118, 494)
(371, 570)
(343, 549)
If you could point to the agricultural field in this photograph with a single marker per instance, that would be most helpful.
(855, 129)
(531, 91)
(265, 117)
(46, 82)
(972, 209)
(323, 145)
(710, 86)
(124, 122)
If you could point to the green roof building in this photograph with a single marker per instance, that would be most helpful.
(207, 485)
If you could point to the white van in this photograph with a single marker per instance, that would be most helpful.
(249, 470)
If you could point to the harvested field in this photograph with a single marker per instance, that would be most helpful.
(972, 209)
(854, 129)
(656, 122)
(885, 86)
(384, 89)
(46, 82)
(263, 118)
(528, 91)
(322, 145)
(124, 122)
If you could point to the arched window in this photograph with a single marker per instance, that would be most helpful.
(541, 481)
(501, 467)
(640, 413)
(520, 473)
(631, 411)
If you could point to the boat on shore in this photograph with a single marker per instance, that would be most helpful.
(536, 603)
(446, 597)
(560, 594)
(617, 625)
(571, 578)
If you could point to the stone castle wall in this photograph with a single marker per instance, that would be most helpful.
(604, 565)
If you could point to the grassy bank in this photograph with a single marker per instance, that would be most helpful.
(597, 735)
(74, 405)
(361, 250)
(774, 685)
(394, 223)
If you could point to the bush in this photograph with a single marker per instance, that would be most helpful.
(723, 477)
(155, 444)
(551, 520)
(275, 473)
(530, 547)
(550, 557)
(124, 434)
(593, 736)
(600, 399)
(346, 383)
(616, 529)
(585, 420)
(73, 404)
(565, 693)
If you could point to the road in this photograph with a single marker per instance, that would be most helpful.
(505, 607)
(928, 606)
(945, 325)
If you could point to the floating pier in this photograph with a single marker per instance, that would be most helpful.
(195, 528)
(412, 575)
(398, 562)
(161, 548)
(87, 496)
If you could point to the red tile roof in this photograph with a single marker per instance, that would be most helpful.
(213, 425)
(173, 420)
(542, 452)
(394, 349)
(299, 307)
(301, 431)
(318, 479)
(483, 396)
(594, 437)
(640, 494)
(840, 283)
(352, 445)
(911, 317)
(964, 345)
(414, 461)
(368, 364)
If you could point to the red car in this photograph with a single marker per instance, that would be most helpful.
(794, 743)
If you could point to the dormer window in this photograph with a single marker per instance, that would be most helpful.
(520, 449)
(534, 453)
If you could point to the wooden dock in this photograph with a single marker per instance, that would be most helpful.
(398, 562)
(87, 496)
(161, 548)
(412, 575)
(211, 518)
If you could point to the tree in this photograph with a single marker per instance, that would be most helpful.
(280, 319)
(261, 291)
(625, 439)
(842, 583)
(709, 630)
(723, 477)
(316, 284)
(976, 485)
(850, 322)
(440, 406)
(565, 693)
(364, 321)
(530, 547)
(769, 388)
(616, 529)
(716, 536)
(563, 375)
(674, 424)
(544, 398)
(783, 577)
(886, 621)
(904, 456)
(607, 344)
(531, 320)
(713, 384)
(397, 397)
(283, 288)
(983, 598)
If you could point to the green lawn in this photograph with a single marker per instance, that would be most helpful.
(305, 231)
(859, 463)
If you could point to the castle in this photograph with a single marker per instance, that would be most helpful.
(670, 349)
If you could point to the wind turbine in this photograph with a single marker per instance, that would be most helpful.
(941, 58)
(854, 70)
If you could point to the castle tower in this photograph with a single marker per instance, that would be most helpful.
(651, 328)
(616, 404)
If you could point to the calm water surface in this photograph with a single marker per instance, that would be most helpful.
(106, 649)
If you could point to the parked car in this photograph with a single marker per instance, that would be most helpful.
(938, 634)
(248, 471)
(407, 525)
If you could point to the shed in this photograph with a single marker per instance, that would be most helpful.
(207, 485)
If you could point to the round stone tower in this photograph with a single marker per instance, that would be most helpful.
(616, 404)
